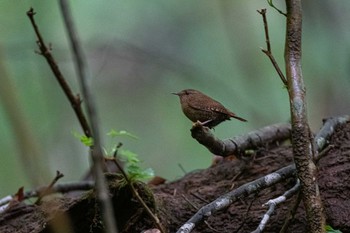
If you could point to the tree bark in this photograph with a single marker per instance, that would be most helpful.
(303, 149)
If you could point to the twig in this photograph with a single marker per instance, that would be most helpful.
(74, 100)
(268, 51)
(321, 154)
(137, 195)
(198, 197)
(321, 138)
(196, 208)
(273, 203)
(291, 214)
(246, 213)
(243, 191)
(266, 27)
(48, 189)
(182, 168)
(327, 130)
(96, 152)
(57, 188)
(278, 10)
(254, 139)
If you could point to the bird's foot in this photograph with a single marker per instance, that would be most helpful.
(199, 123)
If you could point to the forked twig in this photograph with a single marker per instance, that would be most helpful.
(268, 51)
(272, 203)
(48, 189)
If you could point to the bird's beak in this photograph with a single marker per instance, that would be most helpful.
(175, 93)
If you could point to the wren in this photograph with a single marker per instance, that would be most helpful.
(200, 107)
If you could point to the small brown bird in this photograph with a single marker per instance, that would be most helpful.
(200, 107)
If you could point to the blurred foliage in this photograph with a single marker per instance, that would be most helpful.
(330, 229)
(141, 51)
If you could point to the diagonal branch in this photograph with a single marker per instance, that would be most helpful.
(74, 100)
(268, 51)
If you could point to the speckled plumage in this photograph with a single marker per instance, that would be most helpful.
(200, 107)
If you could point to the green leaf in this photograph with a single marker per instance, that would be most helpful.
(330, 229)
(87, 141)
(148, 173)
(136, 173)
(129, 156)
(113, 133)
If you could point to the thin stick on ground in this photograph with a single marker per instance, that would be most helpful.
(227, 199)
(273, 203)
(291, 214)
(57, 188)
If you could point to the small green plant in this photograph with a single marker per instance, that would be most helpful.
(132, 166)
(113, 133)
(130, 159)
(329, 229)
(87, 141)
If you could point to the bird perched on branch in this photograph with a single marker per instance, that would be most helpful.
(200, 107)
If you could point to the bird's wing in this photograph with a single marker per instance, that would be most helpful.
(198, 107)
(207, 109)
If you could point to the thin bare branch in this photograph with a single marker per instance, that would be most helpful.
(273, 203)
(292, 212)
(96, 152)
(74, 100)
(278, 10)
(57, 188)
(48, 189)
(268, 51)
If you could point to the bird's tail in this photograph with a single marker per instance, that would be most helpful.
(237, 117)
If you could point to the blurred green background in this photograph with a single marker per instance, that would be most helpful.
(141, 51)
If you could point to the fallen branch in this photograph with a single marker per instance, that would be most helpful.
(329, 125)
(243, 191)
(273, 203)
(57, 188)
(235, 145)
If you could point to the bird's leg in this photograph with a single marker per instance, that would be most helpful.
(202, 123)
